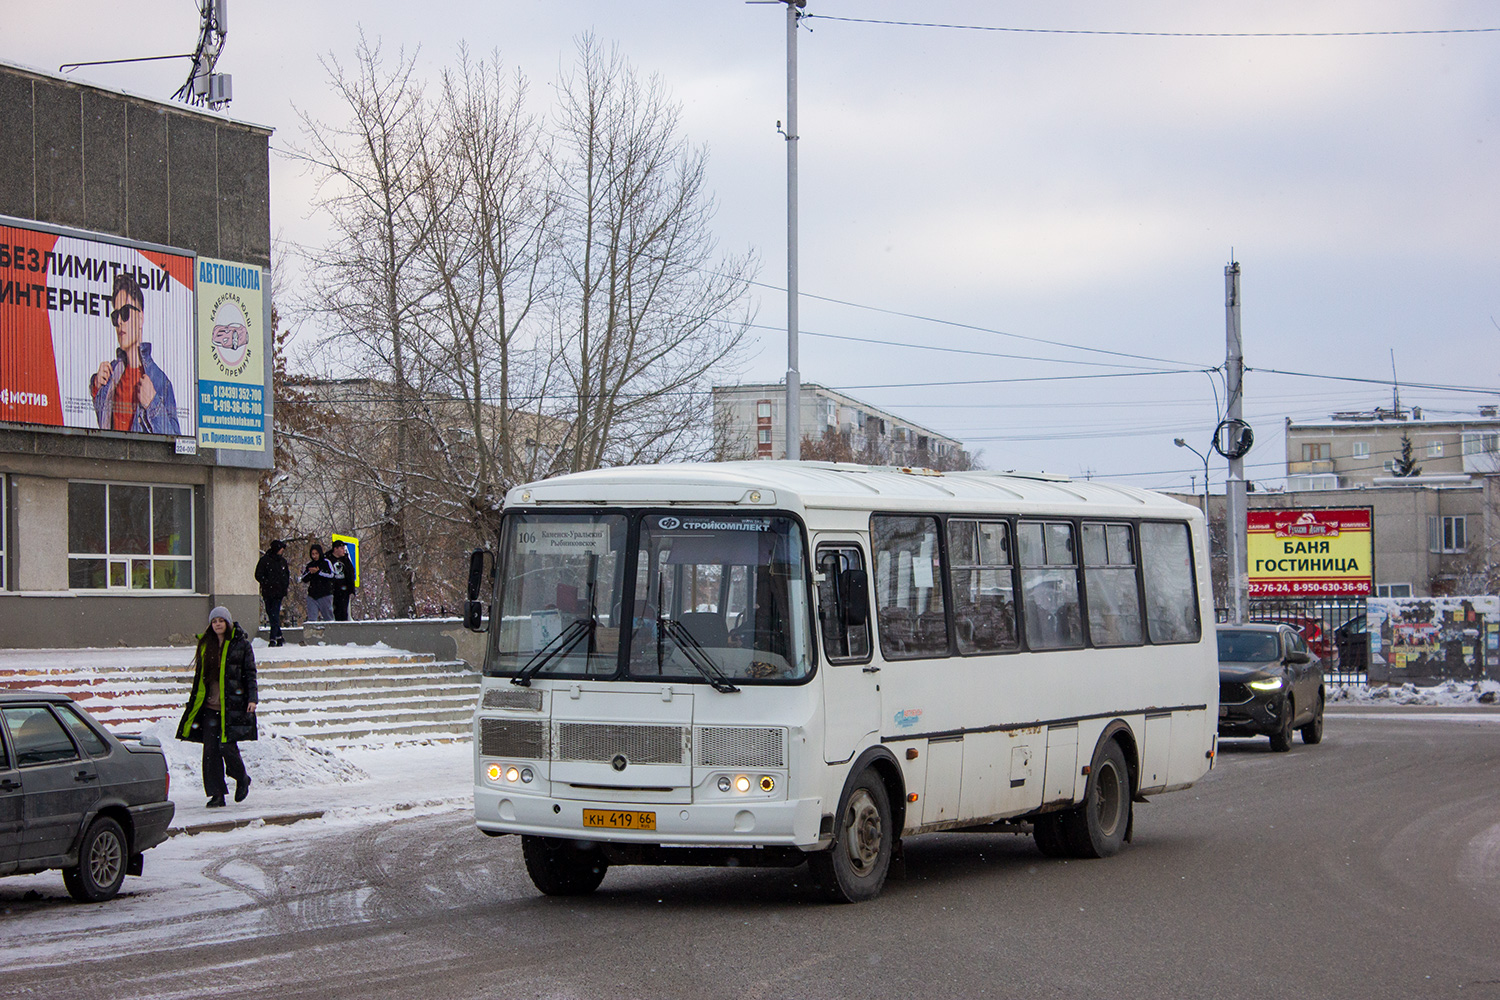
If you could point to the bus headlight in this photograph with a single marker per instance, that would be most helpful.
(742, 784)
(512, 773)
(724, 784)
(526, 775)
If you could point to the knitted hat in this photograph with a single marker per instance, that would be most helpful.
(221, 612)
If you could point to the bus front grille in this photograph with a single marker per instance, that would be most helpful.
(728, 746)
(525, 739)
(589, 741)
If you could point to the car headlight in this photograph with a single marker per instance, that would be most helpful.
(1269, 684)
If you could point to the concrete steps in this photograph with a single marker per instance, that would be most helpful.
(335, 696)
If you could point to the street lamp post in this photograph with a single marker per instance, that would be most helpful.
(1179, 442)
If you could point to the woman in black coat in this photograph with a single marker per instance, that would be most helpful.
(221, 707)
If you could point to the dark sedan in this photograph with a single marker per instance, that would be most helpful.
(1269, 685)
(76, 797)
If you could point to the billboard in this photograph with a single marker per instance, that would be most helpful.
(231, 360)
(95, 333)
(1319, 552)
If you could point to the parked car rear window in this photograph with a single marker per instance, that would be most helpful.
(38, 736)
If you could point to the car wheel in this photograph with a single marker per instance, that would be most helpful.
(101, 863)
(1048, 832)
(563, 867)
(854, 867)
(1281, 740)
(1097, 828)
(1313, 731)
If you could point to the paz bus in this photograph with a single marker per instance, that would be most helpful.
(779, 663)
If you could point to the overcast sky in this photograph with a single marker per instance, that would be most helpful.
(983, 190)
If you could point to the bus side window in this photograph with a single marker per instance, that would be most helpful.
(1171, 589)
(1049, 585)
(844, 641)
(908, 587)
(984, 598)
(1110, 582)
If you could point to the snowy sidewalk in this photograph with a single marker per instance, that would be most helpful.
(292, 780)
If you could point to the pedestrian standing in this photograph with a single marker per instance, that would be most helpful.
(318, 576)
(275, 578)
(221, 706)
(343, 581)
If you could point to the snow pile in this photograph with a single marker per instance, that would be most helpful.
(1447, 693)
(276, 760)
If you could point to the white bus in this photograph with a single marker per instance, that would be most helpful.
(771, 663)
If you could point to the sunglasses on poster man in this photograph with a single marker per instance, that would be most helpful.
(124, 313)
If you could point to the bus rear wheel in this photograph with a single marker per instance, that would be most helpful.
(1097, 828)
(563, 867)
(854, 868)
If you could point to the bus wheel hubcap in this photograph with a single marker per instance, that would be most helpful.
(863, 832)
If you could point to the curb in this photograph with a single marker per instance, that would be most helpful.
(225, 825)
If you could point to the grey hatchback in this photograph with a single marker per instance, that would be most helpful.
(1269, 684)
(75, 796)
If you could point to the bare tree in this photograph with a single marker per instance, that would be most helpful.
(648, 309)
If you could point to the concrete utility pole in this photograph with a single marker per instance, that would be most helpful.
(1234, 492)
(793, 376)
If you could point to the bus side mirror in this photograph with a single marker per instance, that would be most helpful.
(854, 587)
(473, 607)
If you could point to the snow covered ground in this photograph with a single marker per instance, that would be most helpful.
(1451, 693)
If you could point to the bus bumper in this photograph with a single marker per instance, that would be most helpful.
(786, 823)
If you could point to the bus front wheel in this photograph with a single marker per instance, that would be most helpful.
(854, 868)
(1097, 828)
(563, 867)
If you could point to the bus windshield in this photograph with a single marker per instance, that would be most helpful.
(717, 599)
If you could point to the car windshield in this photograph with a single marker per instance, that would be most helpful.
(717, 599)
(1248, 647)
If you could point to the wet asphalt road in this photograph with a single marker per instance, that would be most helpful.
(1366, 867)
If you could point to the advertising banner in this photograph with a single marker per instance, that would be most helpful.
(94, 333)
(1321, 552)
(231, 361)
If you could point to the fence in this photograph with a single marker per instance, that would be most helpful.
(1334, 628)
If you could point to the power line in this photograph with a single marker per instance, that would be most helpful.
(1155, 34)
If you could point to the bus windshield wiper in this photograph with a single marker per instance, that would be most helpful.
(561, 645)
(695, 654)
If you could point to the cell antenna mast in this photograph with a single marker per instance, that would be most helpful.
(204, 86)
(1395, 386)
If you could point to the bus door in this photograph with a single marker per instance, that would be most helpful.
(851, 689)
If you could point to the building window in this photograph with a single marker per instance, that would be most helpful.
(765, 435)
(1446, 534)
(1316, 452)
(763, 410)
(1360, 449)
(1393, 590)
(1306, 484)
(1434, 449)
(1475, 443)
(125, 536)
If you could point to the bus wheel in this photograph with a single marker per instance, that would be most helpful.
(853, 869)
(1048, 832)
(1097, 828)
(563, 867)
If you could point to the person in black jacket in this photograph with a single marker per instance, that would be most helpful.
(221, 706)
(318, 575)
(275, 578)
(343, 581)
